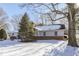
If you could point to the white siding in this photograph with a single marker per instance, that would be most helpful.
(61, 33)
(50, 33)
(40, 33)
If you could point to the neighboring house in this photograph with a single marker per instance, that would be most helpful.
(54, 31)
(13, 35)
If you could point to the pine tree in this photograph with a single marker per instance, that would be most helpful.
(3, 34)
(31, 29)
(25, 31)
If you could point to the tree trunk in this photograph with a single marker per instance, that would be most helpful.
(72, 34)
(71, 30)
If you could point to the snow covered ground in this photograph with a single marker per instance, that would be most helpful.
(38, 48)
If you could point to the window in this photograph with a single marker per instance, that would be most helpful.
(44, 33)
(55, 33)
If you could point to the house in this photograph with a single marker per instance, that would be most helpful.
(54, 31)
(13, 35)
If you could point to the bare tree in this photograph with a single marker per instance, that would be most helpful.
(71, 20)
(68, 11)
(3, 17)
(2, 12)
(4, 22)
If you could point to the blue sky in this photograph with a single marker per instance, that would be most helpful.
(14, 9)
(11, 9)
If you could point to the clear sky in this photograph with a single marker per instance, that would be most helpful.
(14, 9)
(11, 9)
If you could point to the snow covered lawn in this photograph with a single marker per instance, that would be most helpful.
(38, 48)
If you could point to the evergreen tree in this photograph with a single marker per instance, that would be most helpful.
(26, 28)
(31, 29)
(3, 34)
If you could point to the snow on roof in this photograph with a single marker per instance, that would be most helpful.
(50, 27)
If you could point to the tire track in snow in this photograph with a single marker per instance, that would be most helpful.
(34, 51)
(13, 48)
(28, 49)
(25, 50)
